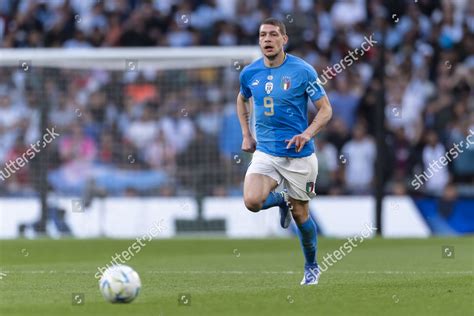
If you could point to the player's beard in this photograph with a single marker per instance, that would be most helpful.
(273, 56)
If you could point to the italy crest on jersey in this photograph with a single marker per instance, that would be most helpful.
(285, 83)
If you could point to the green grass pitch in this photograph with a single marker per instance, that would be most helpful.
(241, 277)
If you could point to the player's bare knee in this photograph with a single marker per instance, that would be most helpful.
(297, 213)
(253, 204)
(253, 200)
(300, 211)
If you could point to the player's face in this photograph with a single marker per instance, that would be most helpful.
(271, 40)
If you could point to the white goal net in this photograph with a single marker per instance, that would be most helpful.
(125, 122)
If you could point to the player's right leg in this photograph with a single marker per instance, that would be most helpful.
(259, 195)
(260, 181)
(257, 189)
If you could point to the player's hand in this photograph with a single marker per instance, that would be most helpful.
(249, 144)
(299, 140)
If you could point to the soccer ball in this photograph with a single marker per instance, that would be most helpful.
(120, 284)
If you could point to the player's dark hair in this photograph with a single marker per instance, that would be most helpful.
(275, 22)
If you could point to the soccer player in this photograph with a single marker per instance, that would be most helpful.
(280, 85)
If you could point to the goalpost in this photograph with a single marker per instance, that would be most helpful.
(161, 58)
(134, 121)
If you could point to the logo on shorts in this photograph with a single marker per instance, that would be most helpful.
(310, 187)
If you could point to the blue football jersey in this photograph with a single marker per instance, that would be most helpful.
(280, 95)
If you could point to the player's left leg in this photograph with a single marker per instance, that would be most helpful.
(299, 178)
(308, 236)
(306, 228)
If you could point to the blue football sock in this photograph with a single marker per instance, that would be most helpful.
(273, 199)
(308, 238)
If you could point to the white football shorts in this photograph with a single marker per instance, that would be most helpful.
(298, 175)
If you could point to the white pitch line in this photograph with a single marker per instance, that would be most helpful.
(240, 272)
(297, 272)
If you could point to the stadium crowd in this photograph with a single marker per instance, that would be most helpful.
(147, 135)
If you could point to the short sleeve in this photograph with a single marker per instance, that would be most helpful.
(314, 89)
(244, 87)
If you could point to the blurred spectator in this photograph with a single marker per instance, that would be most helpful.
(402, 151)
(108, 149)
(338, 134)
(448, 201)
(178, 36)
(210, 120)
(360, 154)
(230, 137)
(65, 113)
(76, 146)
(78, 41)
(206, 14)
(327, 164)
(434, 170)
(463, 166)
(11, 120)
(398, 188)
(347, 13)
(178, 129)
(160, 154)
(344, 102)
(200, 165)
(19, 180)
(141, 132)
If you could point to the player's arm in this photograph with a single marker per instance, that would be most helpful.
(243, 112)
(322, 118)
